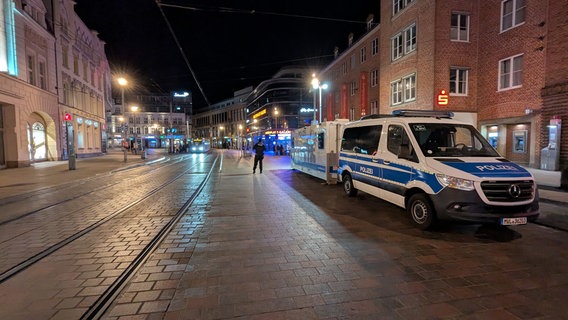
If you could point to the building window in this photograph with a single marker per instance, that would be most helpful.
(460, 27)
(512, 13)
(353, 61)
(374, 78)
(65, 56)
(76, 65)
(396, 46)
(363, 54)
(410, 39)
(403, 90)
(42, 76)
(344, 68)
(85, 71)
(409, 88)
(398, 5)
(375, 46)
(404, 43)
(511, 72)
(353, 88)
(458, 81)
(374, 107)
(31, 70)
(396, 92)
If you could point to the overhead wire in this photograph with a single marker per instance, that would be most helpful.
(252, 11)
(158, 3)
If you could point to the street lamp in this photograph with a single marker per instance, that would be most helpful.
(276, 117)
(123, 131)
(122, 82)
(221, 133)
(241, 144)
(134, 110)
(317, 85)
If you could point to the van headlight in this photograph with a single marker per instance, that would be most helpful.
(455, 183)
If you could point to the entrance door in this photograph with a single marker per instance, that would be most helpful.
(36, 146)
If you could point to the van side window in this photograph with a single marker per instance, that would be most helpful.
(364, 140)
(396, 136)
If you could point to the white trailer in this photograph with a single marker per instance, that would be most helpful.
(315, 149)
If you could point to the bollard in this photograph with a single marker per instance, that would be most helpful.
(143, 154)
(72, 162)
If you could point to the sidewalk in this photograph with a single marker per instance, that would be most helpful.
(554, 201)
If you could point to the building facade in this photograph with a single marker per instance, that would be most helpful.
(51, 65)
(279, 105)
(223, 123)
(150, 121)
(487, 61)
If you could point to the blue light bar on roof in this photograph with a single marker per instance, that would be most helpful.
(423, 113)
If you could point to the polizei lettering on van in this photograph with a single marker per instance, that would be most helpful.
(497, 167)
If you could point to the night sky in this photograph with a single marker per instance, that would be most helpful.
(227, 44)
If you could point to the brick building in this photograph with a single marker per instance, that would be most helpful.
(493, 58)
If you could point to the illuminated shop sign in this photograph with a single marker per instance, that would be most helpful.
(258, 114)
(278, 132)
(307, 110)
(442, 98)
(181, 95)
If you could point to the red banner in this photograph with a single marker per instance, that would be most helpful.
(363, 93)
(344, 101)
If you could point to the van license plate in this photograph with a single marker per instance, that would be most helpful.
(513, 221)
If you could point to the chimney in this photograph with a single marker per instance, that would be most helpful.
(370, 23)
(350, 39)
(335, 52)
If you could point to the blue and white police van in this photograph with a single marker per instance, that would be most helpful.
(435, 167)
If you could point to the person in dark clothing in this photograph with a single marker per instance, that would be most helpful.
(259, 149)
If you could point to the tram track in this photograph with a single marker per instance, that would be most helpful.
(46, 191)
(100, 307)
(22, 265)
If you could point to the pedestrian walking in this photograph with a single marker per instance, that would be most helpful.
(259, 149)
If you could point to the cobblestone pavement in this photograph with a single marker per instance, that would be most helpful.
(279, 245)
(282, 245)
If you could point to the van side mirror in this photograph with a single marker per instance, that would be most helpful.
(405, 152)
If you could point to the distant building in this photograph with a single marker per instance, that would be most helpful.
(279, 105)
(151, 120)
(223, 123)
(51, 65)
(490, 59)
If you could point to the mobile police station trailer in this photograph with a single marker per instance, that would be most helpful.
(425, 162)
(315, 149)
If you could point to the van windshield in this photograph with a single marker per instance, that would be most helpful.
(451, 140)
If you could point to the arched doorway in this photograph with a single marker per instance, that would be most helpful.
(37, 142)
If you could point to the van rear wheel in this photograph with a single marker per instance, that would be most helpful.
(348, 185)
(421, 211)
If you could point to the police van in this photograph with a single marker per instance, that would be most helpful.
(435, 167)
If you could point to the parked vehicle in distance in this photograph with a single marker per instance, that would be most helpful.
(434, 167)
(199, 145)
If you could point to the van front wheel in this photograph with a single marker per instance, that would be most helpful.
(348, 186)
(421, 211)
